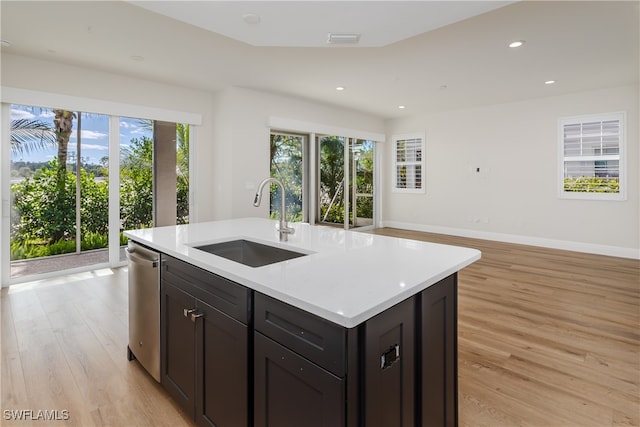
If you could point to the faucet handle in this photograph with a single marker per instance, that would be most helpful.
(284, 231)
(284, 228)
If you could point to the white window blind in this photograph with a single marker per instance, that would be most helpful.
(409, 163)
(592, 150)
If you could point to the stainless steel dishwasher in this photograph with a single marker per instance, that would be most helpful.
(144, 307)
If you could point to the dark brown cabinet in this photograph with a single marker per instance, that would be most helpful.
(177, 347)
(205, 350)
(439, 353)
(300, 371)
(328, 375)
(291, 391)
(233, 357)
(390, 367)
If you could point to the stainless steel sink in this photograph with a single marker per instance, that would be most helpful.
(249, 253)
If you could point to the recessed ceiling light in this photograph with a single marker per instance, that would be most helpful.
(516, 43)
(402, 107)
(343, 38)
(251, 18)
(340, 88)
(549, 82)
(5, 43)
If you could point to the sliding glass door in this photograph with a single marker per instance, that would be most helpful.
(65, 209)
(328, 179)
(350, 201)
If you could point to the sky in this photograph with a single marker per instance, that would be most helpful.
(94, 136)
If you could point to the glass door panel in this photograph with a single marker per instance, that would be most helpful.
(361, 179)
(140, 192)
(59, 197)
(182, 173)
(136, 176)
(331, 200)
(88, 158)
(287, 165)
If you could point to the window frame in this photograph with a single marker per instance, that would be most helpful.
(621, 117)
(422, 163)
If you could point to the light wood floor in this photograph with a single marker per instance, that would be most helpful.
(546, 338)
(64, 348)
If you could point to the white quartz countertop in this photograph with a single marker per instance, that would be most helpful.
(347, 276)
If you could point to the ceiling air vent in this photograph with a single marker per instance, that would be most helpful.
(343, 38)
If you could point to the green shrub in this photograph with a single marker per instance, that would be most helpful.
(94, 241)
(136, 188)
(37, 249)
(336, 214)
(592, 185)
(44, 207)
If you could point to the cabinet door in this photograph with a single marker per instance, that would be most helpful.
(390, 367)
(177, 346)
(221, 369)
(290, 391)
(440, 354)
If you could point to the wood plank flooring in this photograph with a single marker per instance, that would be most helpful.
(64, 351)
(546, 338)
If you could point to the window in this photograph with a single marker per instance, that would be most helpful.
(408, 167)
(592, 156)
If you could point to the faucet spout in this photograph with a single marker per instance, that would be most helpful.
(283, 229)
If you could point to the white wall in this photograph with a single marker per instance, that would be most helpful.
(514, 145)
(231, 150)
(514, 198)
(241, 121)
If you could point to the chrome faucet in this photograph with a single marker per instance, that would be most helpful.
(283, 228)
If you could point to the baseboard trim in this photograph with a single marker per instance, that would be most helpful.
(615, 251)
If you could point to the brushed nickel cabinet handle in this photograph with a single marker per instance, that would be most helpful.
(195, 316)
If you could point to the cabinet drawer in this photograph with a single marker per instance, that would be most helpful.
(291, 391)
(314, 338)
(220, 293)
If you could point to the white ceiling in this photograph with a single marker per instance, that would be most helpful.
(449, 63)
(307, 23)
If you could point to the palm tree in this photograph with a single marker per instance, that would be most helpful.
(29, 134)
(63, 126)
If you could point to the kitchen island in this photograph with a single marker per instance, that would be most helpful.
(357, 329)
